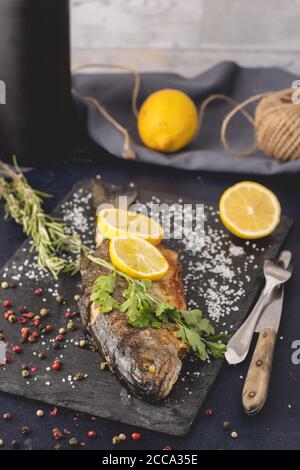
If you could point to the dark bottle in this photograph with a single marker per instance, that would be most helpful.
(36, 121)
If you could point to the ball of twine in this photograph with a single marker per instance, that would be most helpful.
(277, 126)
(276, 123)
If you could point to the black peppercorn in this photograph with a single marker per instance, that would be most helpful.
(226, 425)
(15, 444)
(25, 430)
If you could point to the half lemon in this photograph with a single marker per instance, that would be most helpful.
(249, 210)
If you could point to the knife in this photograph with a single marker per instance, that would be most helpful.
(256, 385)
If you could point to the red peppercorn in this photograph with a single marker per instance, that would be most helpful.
(9, 358)
(34, 369)
(91, 434)
(56, 365)
(57, 434)
(7, 314)
(49, 327)
(7, 416)
(54, 411)
(31, 339)
(135, 436)
(6, 303)
(22, 320)
(59, 338)
(17, 349)
(24, 332)
(209, 412)
(36, 323)
(38, 292)
(68, 315)
(28, 315)
(34, 334)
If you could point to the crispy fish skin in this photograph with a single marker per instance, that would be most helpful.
(147, 360)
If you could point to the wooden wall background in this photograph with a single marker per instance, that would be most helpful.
(186, 36)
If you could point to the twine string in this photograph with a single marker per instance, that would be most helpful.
(239, 108)
(127, 152)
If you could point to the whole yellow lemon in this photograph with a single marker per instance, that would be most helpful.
(167, 120)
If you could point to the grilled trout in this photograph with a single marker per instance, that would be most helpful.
(147, 360)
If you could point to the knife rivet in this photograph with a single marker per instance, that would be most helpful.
(252, 394)
(259, 362)
(265, 334)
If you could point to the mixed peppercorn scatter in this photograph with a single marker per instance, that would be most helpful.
(36, 333)
(74, 432)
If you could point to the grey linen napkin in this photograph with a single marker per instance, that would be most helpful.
(206, 151)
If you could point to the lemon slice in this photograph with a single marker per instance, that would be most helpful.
(250, 210)
(137, 257)
(115, 222)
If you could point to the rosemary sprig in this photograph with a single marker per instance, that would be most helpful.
(50, 237)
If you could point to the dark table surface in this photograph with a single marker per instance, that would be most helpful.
(276, 427)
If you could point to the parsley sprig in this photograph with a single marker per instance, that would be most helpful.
(143, 310)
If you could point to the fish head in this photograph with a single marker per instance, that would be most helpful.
(156, 362)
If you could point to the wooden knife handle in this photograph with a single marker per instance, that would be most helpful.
(256, 385)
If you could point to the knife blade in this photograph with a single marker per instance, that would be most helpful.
(271, 316)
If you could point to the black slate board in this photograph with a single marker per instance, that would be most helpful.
(228, 276)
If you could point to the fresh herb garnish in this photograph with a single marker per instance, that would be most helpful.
(103, 287)
(200, 334)
(49, 235)
(143, 310)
